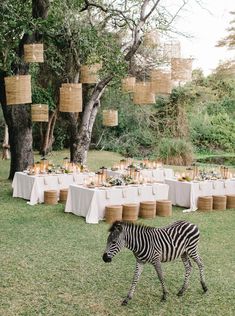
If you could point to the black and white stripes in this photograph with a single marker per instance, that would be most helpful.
(156, 245)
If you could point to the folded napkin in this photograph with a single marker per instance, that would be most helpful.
(45, 181)
(139, 190)
(74, 178)
(225, 184)
(153, 173)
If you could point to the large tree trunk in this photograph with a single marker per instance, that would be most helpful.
(19, 124)
(48, 135)
(18, 117)
(5, 145)
(80, 143)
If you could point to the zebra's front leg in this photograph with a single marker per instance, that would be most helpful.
(188, 270)
(158, 269)
(137, 274)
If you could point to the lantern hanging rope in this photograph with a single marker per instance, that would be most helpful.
(18, 89)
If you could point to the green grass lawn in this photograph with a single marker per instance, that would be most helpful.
(51, 263)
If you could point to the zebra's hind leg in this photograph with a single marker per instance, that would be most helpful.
(188, 270)
(137, 274)
(158, 269)
(199, 263)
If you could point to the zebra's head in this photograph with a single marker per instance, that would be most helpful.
(115, 241)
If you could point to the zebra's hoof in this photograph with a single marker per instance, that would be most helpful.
(125, 302)
(180, 293)
(204, 287)
(163, 299)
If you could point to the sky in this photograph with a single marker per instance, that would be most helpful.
(206, 24)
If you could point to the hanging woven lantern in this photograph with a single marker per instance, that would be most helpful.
(181, 69)
(39, 112)
(151, 39)
(143, 93)
(172, 50)
(71, 97)
(18, 89)
(89, 73)
(128, 84)
(161, 82)
(110, 117)
(33, 53)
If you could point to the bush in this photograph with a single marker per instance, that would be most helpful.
(175, 151)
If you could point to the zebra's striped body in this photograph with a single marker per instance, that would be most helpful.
(156, 245)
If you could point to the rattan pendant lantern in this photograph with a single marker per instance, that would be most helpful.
(110, 118)
(39, 112)
(172, 50)
(18, 89)
(161, 83)
(128, 84)
(33, 53)
(71, 97)
(181, 69)
(151, 39)
(89, 73)
(143, 93)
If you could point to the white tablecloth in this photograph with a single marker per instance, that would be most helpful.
(32, 187)
(91, 203)
(186, 194)
(159, 174)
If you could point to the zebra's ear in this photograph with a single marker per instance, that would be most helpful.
(117, 226)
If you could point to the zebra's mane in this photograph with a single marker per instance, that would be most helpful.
(117, 224)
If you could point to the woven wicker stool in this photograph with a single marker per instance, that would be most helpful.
(113, 213)
(205, 203)
(63, 195)
(230, 201)
(219, 202)
(164, 208)
(147, 209)
(50, 197)
(130, 212)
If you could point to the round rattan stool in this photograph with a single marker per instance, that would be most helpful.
(230, 201)
(219, 202)
(163, 208)
(130, 212)
(63, 195)
(113, 213)
(147, 209)
(50, 197)
(205, 203)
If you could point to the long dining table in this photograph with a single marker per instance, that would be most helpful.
(32, 187)
(91, 202)
(185, 194)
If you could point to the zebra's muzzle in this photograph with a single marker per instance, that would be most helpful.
(106, 258)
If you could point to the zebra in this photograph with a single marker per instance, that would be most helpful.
(156, 245)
